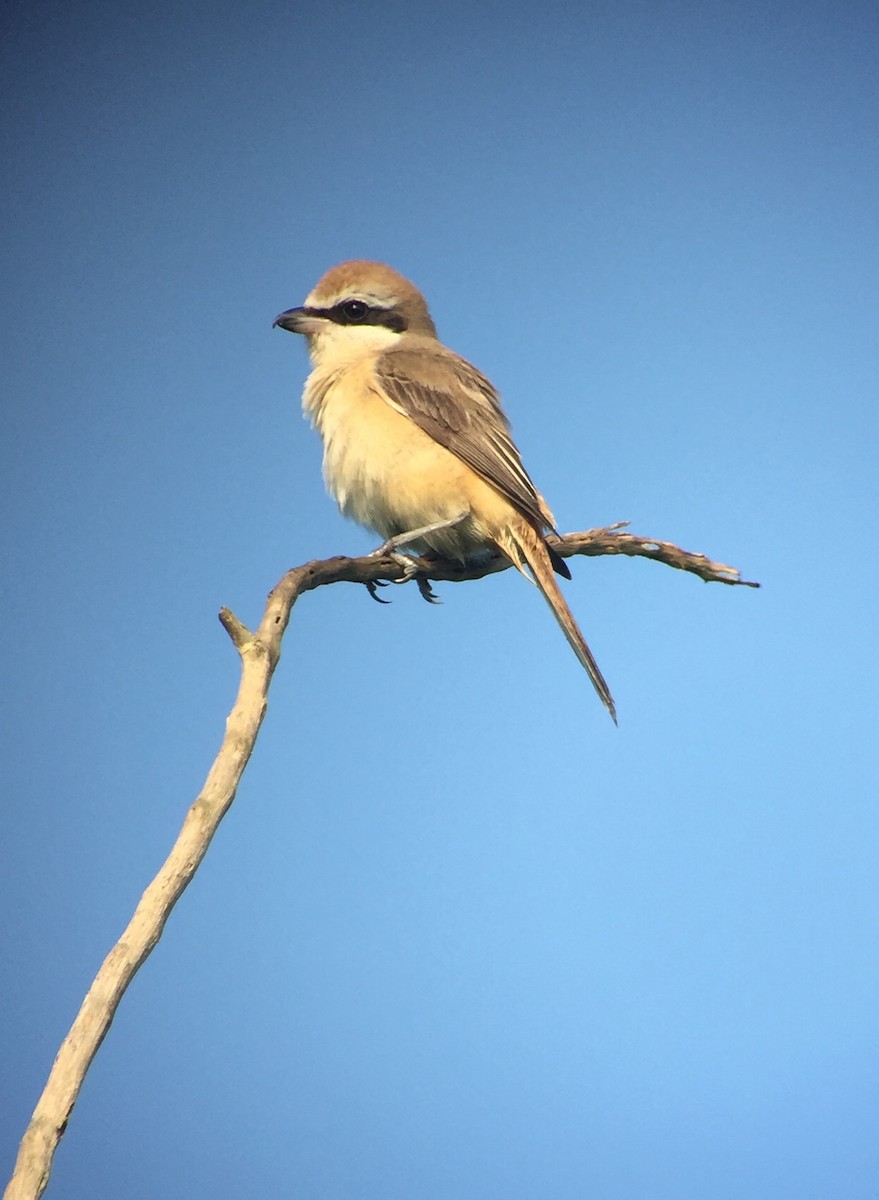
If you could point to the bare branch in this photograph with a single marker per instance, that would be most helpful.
(611, 541)
(592, 543)
(260, 653)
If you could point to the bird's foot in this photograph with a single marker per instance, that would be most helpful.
(424, 588)
(410, 568)
(407, 564)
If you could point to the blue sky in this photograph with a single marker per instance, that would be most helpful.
(458, 936)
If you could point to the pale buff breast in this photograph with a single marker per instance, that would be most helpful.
(388, 474)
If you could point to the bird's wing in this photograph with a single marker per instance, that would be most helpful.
(457, 406)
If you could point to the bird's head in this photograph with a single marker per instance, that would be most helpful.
(358, 306)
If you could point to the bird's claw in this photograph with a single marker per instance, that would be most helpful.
(371, 585)
(427, 592)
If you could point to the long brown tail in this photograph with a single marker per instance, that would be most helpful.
(524, 542)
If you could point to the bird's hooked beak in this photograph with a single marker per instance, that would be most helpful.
(300, 320)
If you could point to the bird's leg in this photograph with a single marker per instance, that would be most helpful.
(390, 549)
(414, 535)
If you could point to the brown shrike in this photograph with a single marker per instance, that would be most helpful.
(416, 444)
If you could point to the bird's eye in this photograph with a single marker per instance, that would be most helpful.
(355, 310)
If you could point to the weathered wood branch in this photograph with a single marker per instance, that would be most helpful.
(260, 652)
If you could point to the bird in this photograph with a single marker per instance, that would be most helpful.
(416, 445)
